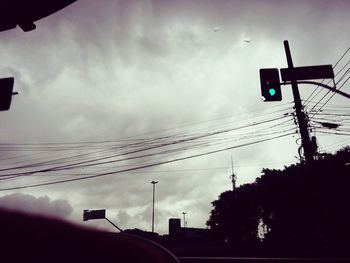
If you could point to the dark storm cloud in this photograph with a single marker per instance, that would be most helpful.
(36, 205)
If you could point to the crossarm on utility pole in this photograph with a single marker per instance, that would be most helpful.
(333, 89)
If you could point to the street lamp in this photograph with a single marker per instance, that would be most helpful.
(154, 187)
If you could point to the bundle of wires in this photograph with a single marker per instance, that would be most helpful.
(60, 162)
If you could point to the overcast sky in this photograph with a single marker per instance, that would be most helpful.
(104, 71)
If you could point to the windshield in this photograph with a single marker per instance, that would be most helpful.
(186, 110)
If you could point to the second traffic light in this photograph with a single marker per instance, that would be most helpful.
(270, 84)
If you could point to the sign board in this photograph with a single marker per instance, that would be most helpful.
(305, 73)
(94, 214)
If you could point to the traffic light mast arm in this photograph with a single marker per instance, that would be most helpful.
(322, 85)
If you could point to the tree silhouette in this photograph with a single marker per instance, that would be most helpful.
(235, 217)
(303, 208)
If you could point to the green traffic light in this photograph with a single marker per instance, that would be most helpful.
(272, 91)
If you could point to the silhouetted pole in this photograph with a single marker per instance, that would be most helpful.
(184, 214)
(302, 121)
(121, 230)
(154, 187)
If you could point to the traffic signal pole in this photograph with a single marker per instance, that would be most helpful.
(301, 117)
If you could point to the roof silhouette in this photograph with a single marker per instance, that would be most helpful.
(25, 12)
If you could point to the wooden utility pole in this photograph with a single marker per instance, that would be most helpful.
(301, 117)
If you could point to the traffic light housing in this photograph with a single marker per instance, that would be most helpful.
(270, 84)
(6, 87)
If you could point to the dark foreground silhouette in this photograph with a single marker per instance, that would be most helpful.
(29, 238)
(24, 12)
(303, 210)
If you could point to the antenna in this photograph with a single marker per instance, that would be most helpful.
(233, 176)
(232, 172)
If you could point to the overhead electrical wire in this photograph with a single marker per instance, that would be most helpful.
(130, 158)
(336, 145)
(328, 119)
(310, 97)
(149, 149)
(149, 145)
(143, 166)
(142, 136)
(169, 145)
(332, 95)
(98, 160)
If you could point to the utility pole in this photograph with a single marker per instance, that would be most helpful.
(301, 117)
(271, 91)
(154, 187)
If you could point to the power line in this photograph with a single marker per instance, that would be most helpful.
(144, 166)
(342, 56)
(320, 108)
(137, 150)
(172, 151)
(134, 138)
(327, 93)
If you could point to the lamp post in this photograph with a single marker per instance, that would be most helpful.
(154, 188)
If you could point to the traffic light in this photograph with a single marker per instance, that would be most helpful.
(270, 84)
(6, 86)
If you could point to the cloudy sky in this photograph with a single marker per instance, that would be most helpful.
(128, 92)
